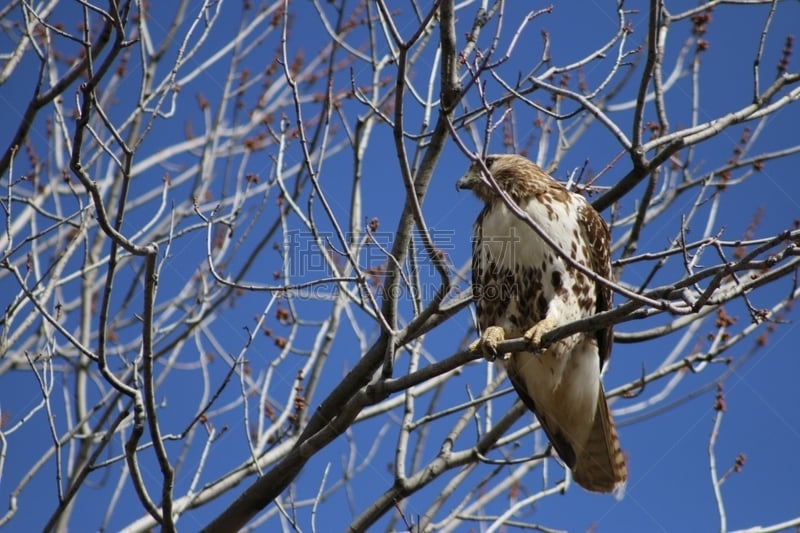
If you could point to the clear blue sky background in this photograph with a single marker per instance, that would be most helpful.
(669, 487)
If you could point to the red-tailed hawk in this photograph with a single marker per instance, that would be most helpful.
(523, 288)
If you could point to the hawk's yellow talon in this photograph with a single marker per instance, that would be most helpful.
(487, 343)
(534, 335)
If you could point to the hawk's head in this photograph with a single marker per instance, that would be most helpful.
(514, 174)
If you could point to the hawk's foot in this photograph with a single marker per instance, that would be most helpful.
(487, 343)
(534, 335)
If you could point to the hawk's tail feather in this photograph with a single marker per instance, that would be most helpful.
(601, 466)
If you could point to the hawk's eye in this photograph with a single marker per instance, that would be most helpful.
(489, 162)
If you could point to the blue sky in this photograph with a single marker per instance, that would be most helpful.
(669, 487)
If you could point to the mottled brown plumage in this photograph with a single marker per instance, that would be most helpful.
(523, 287)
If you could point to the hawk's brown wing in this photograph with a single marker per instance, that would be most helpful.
(594, 232)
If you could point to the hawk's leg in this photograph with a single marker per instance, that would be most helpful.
(487, 343)
(535, 334)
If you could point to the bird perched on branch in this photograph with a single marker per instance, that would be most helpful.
(524, 287)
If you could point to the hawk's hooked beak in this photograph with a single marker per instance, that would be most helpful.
(468, 181)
